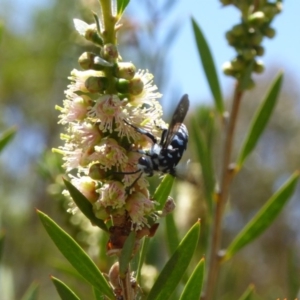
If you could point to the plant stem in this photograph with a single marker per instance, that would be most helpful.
(109, 38)
(128, 291)
(109, 34)
(227, 173)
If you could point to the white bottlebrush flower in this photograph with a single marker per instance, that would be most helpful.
(98, 140)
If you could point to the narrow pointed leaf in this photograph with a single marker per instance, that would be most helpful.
(122, 4)
(97, 294)
(75, 255)
(172, 235)
(142, 256)
(205, 159)
(248, 294)
(208, 66)
(63, 290)
(175, 268)
(193, 287)
(32, 292)
(84, 205)
(65, 268)
(263, 219)
(126, 254)
(260, 120)
(6, 137)
(163, 191)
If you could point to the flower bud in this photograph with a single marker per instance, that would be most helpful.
(86, 60)
(278, 5)
(91, 34)
(258, 67)
(238, 30)
(96, 84)
(97, 173)
(136, 86)
(169, 206)
(122, 86)
(248, 54)
(124, 70)
(100, 212)
(110, 52)
(88, 188)
(257, 18)
(226, 2)
(228, 69)
(269, 32)
(271, 9)
(256, 38)
(231, 39)
(238, 64)
(260, 50)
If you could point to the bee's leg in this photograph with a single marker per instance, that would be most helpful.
(143, 131)
(163, 137)
(127, 173)
(134, 182)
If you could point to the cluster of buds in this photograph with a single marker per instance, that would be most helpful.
(100, 148)
(247, 36)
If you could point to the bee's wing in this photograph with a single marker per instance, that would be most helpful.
(177, 119)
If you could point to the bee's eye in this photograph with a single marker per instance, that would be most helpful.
(144, 161)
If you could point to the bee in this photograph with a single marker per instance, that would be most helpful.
(164, 155)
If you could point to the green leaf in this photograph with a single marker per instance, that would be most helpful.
(122, 4)
(6, 137)
(142, 257)
(63, 290)
(126, 254)
(171, 233)
(97, 294)
(203, 152)
(248, 294)
(193, 287)
(76, 255)
(208, 66)
(263, 219)
(84, 205)
(32, 292)
(65, 268)
(174, 269)
(260, 120)
(163, 191)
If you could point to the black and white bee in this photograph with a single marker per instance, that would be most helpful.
(164, 156)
